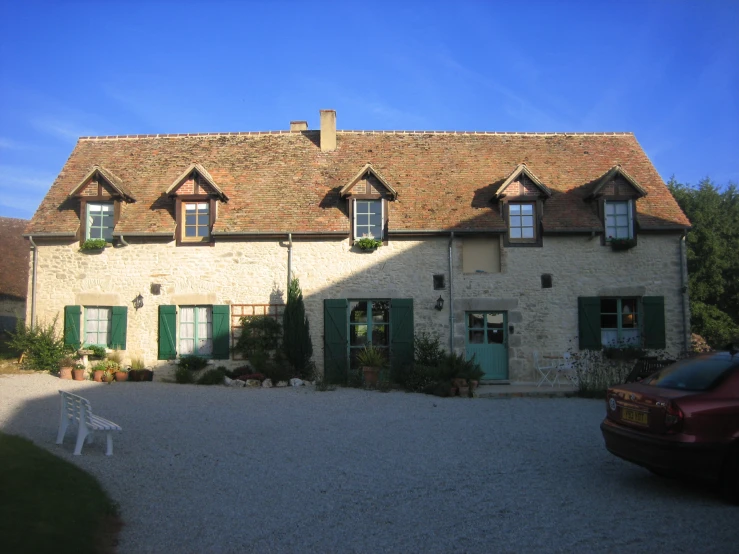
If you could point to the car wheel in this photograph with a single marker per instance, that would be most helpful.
(730, 477)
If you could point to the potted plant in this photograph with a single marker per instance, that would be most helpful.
(138, 372)
(98, 371)
(66, 365)
(78, 372)
(368, 243)
(372, 360)
(93, 245)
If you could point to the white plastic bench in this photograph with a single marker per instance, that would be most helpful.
(77, 410)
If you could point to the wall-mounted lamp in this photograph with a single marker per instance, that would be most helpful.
(439, 304)
(138, 302)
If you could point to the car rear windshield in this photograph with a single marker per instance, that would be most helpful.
(693, 375)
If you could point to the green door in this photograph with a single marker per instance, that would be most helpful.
(487, 340)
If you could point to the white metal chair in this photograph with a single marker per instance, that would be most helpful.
(567, 370)
(544, 370)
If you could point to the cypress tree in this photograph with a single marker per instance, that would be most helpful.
(296, 331)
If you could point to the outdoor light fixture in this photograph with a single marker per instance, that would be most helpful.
(138, 302)
(439, 304)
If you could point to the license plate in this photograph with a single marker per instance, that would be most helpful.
(633, 416)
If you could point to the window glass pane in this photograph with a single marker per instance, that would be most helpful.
(477, 337)
(495, 336)
(514, 209)
(202, 206)
(380, 311)
(202, 231)
(357, 335)
(475, 320)
(621, 208)
(527, 209)
(189, 231)
(190, 207)
(358, 311)
(527, 221)
(380, 335)
(609, 321)
(515, 232)
(527, 233)
(608, 305)
(190, 219)
(94, 207)
(495, 320)
(515, 221)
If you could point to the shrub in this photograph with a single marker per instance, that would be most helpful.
(183, 376)
(368, 243)
(192, 362)
(137, 364)
(427, 349)
(277, 371)
(43, 346)
(212, 377)
(296, 337)
(420, 376)
(98, 352)
(238, 372)
(456, 366)
(258, 333)
(93, 244)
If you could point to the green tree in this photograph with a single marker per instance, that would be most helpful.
(296, 331)
(713, 258)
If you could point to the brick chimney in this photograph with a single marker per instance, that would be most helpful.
(296, 126)
(328, 130)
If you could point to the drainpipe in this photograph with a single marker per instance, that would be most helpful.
(34, 247)
(684, 289)
(289, 262)
(123, 241)
(451, 297)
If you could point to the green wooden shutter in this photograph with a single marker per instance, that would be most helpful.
(221, 332)
(72, 316)
(654, 322)
(401, 335)
(588, 309)
(167, 332)
(118, 325)
(335, 341)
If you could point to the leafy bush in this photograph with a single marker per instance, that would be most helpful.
(212, 377)
(238, 372)
(44, 347)
(192, 362)
(296, 337)
(183, 376)
(258, 333)
(98, 352)
(420, 376)
(93, 244)
(456, 366)
(368, 243)
(427, 349)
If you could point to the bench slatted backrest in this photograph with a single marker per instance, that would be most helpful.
(644, 367)
(76, 407)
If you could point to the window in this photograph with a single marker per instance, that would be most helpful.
(618, 219)
(196, 330)
(368, 219)
(97, 325)
(521, 221)
(619, 322)
(100, 221)
(369, 323)
(197, 222)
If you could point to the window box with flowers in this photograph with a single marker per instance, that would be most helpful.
(621, 244)
(368, 243)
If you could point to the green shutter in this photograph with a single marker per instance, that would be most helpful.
(72, 315)
(221, 332)
(118, 325)
(167, 332)
(335, 341)
(588, 309)
(654, 322)
(401, 335)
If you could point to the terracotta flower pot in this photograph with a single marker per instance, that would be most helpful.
(78, 374)
(97, 375)
(107, 377)
(370, 375)
(121, 376)
(65, 373)
(464, 392)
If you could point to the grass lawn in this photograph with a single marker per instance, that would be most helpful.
(50, 505)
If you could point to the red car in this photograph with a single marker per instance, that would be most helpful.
(683, 419)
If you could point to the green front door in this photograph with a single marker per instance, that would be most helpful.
(487, 340)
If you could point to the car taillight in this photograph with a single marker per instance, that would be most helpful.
(673, 417)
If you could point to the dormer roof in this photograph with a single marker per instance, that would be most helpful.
(112, 180)
(204, 175)
(610, 176)
(520, 170)
(367, 169)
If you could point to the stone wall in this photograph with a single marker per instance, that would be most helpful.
(255, 272)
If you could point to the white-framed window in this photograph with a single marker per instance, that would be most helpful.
(369, 218)
(521, 221)
(97, 325)
(197, 221)
(196, 330)
(99, 221)
(619, 322)
(618, 219)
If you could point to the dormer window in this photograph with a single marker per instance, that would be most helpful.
(368, 195)
(100, 194)
(616, 193)
(522, 197)
(196, 201)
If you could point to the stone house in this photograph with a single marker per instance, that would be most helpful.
(14, 256)
(499, 243)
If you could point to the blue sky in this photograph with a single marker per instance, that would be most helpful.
(666, 70)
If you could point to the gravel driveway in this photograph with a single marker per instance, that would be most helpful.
(212, 469)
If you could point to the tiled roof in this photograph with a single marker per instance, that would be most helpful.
(14, 253)
(280, 182)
